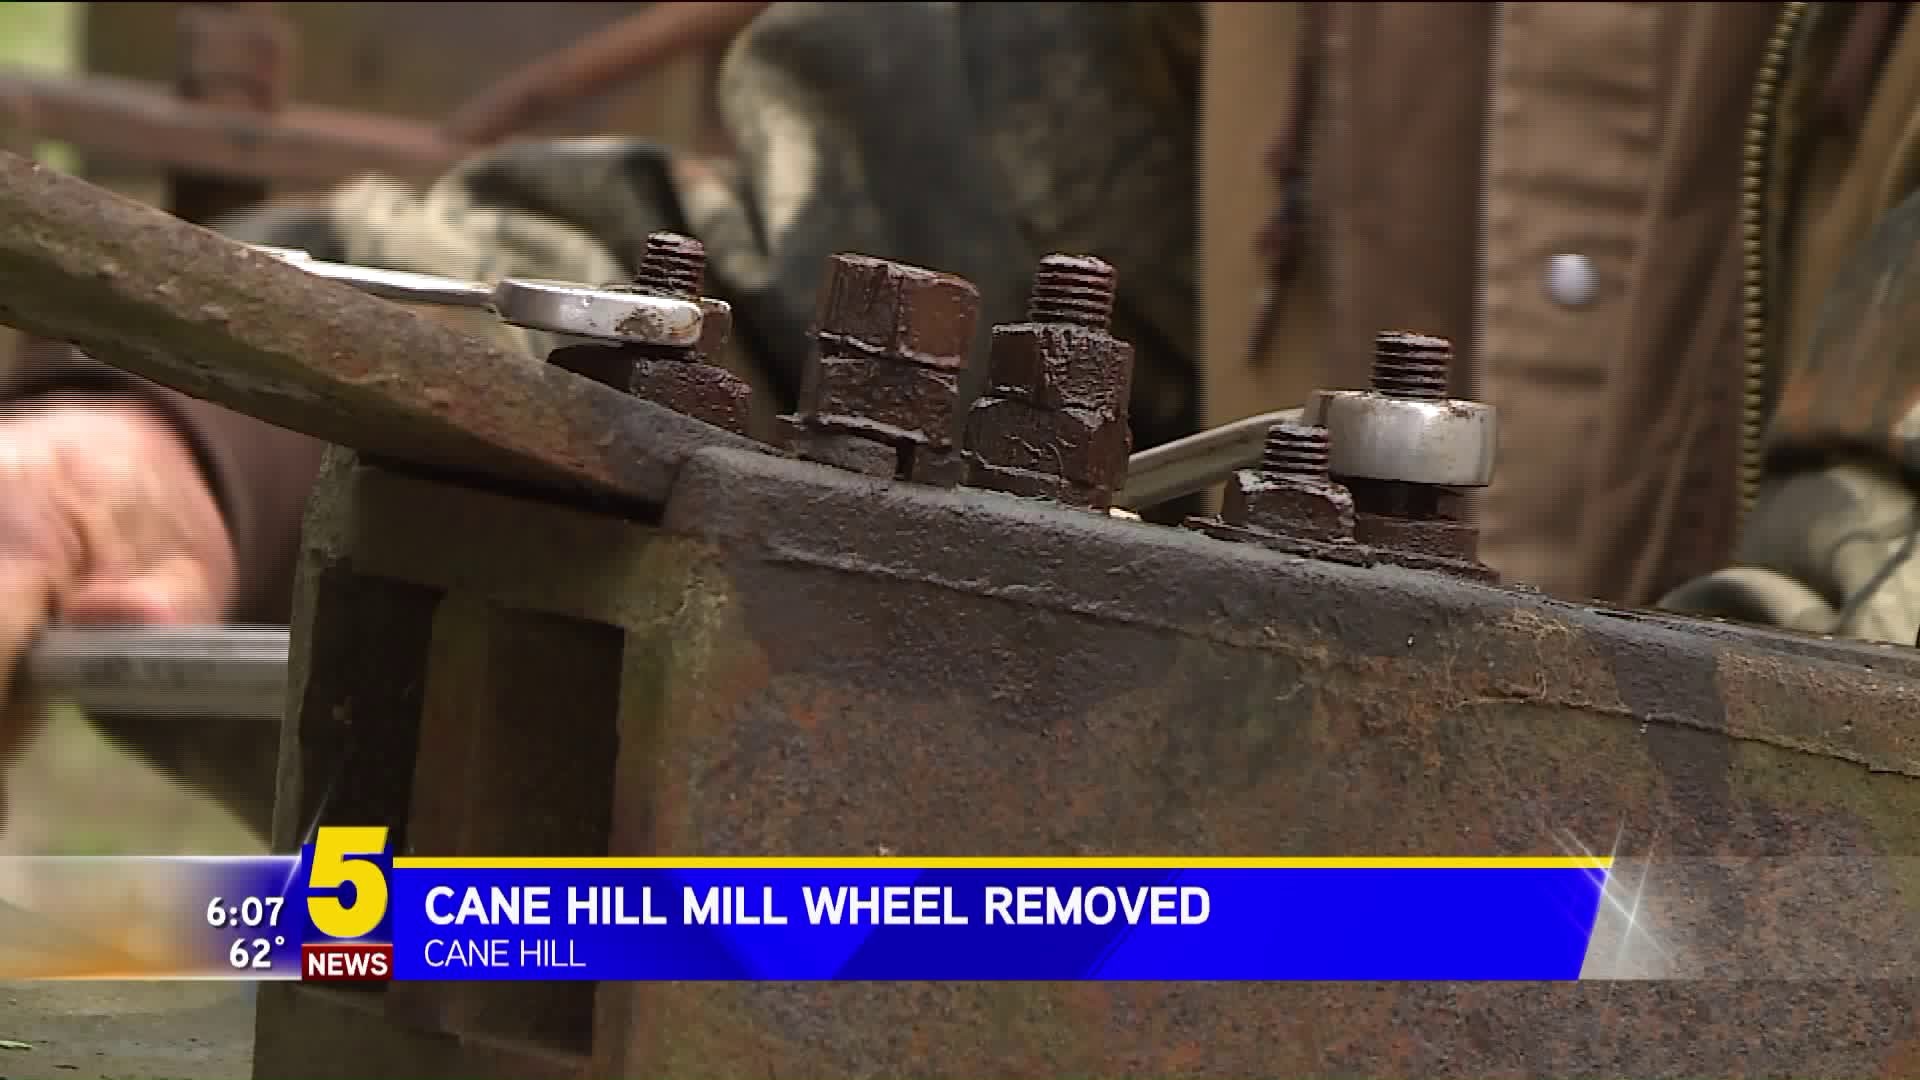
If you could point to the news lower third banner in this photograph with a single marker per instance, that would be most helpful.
(345, 909)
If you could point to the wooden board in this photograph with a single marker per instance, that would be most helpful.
(420, 60)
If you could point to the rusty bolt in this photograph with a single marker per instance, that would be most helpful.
(1297, 451)
(677, 377)
(1072, 289)
(1290, 493)
(872, 307)
(673, 265)
(1063, 356)
(1411, 366)
(1054, 420)
(881, 399)
(1396, 514)
(890, 341)
(880, 393)
(1085, 447)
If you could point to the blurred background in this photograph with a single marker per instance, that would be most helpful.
(74, 793)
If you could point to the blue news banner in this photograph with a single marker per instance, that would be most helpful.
(345, 909)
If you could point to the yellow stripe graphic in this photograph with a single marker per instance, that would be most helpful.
(1576, 862)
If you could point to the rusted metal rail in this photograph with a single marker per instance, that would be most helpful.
(867, 651)
(141, 122)
(804, 660)
(178, 304)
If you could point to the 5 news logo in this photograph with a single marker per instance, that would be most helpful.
(349, 927)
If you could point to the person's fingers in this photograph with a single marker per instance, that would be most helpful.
(176, 590)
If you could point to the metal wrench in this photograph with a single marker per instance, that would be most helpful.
(164, 672)
(1194, 464)
(555, 306)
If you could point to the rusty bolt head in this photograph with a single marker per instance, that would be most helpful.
(840, 450)
(1061, 365)
(706, 392)
(1287, 505)
(1055, 425)
(703, 391)
(1290, 493)
(1075, 289)
(1033, 485)
(1434, 537)
(874, 307)
(880, 398)
(1084, 447)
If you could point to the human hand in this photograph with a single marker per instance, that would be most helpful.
(105, 518)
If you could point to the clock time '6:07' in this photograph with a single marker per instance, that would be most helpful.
(251, 911)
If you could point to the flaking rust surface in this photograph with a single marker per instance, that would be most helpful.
(961, 673)
(190, 310)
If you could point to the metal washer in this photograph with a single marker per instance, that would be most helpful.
(1376, 437)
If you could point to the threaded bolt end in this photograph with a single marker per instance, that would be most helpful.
(1411, 366)
(1075, 289)
(674, 265)
(1298, 450)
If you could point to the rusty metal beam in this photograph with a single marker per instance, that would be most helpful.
(804, 661)
(188, 309)
(143, 122)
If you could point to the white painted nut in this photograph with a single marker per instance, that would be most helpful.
(603, 315)
(1376, 437)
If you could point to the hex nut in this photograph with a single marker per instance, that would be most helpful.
(1436, 537)
(1084, 447)
(1061, 365)
(886, 399)
(703, 391)
(1033, 485)
(1289, 506)
(839, 450)
(872, 306)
